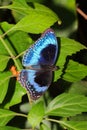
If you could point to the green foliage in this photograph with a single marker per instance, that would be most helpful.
(34, 18)
(71, 125)
(36, 114)
(82, 85)
(44, 127)
(4, 81)
(67, 48)
(5, 116)
(8, 128)
(67, 105)
(16, 97)
(75, 71)
(39, 20)
(3, 59)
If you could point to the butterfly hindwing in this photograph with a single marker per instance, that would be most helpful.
(36, 82)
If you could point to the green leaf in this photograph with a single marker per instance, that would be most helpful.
(10, 92)
(36, 114)
(4, 81)
(67, 48)
(19, 41)
(3, 61)
(80, 117)
(34, 17)
(75, 71)
(74, 125)
(19, 9)
(23, 8)
(17, 95)
(35, 22)
(8, 128)
(5, 116)
(66, 105)
(44, 127)
(20, 6)
(79, 88)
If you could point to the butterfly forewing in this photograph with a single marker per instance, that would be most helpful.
(44, 51)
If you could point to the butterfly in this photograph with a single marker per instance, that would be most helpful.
(39, 61)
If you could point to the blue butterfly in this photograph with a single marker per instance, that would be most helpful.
(39, 61)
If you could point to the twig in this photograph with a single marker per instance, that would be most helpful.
(81, 13)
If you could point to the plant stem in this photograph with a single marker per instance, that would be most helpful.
(9, 51)
(53, 120)
(61, 122)
(3, 35)
(22, 115)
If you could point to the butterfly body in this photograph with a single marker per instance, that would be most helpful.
(39, 61)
